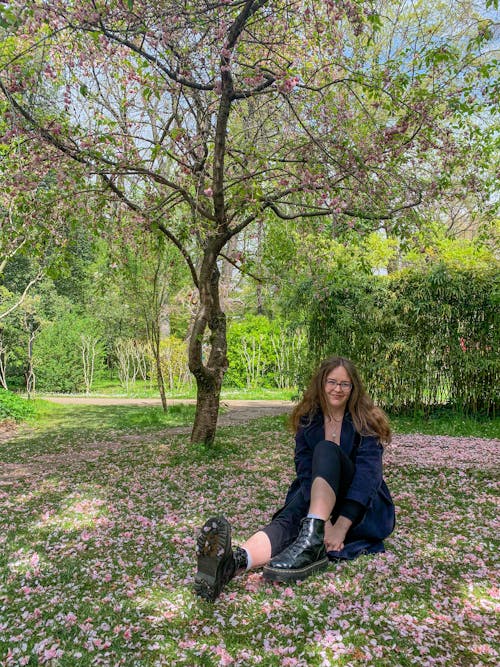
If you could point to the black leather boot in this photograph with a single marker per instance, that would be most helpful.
(217, 562)
(303, 557)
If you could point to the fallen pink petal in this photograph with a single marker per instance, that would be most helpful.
(100, 559)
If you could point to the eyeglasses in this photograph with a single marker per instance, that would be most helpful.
(344, 386)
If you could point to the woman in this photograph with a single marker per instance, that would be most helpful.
(337, 507)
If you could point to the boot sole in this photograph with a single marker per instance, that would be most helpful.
(213, 546)
(279, 574)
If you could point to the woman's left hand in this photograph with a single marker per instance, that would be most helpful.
(335, 533)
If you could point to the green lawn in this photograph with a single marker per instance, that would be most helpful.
(99, 510)
(100, 418)
(141, 389)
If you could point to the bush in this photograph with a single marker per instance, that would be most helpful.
(262, 353)
(57, 355)
(174, 363)
(421, 337)
(14, 407)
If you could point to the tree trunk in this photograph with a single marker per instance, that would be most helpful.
(209, 373)
(3, 364)
(165, 321)
(258, 287)
(207, 411)
(161, 383)
(155, 344)
(30, 373)
(226, 277)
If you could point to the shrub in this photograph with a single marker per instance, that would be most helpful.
(424, 336)
(174, 363)
(57, 354)
(262, 353)
(14, 407)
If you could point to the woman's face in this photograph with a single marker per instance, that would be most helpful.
(338, 387)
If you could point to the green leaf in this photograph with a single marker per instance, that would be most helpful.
(375, 21)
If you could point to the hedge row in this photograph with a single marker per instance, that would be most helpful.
(421, 337)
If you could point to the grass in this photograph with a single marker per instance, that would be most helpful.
(446, 421)
(440, 422)
(142, 389)
(97, 534)
(100, 418)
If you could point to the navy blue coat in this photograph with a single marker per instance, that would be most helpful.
(367, 486)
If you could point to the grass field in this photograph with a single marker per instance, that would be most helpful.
(99, 510)
(142, 389)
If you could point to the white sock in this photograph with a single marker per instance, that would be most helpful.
(313, 516)
(249, 559)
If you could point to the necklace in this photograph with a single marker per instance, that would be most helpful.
(332, 418)
(331, 425)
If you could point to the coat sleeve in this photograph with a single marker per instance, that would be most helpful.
(367, 471)
(303, 463)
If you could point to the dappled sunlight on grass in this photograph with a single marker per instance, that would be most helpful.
(482, 596)
(55, 417)
(27, 563)
(99, 557)
(76, 514)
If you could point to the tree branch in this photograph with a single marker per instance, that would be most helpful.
(78, 155)
(183, 251)
(150, 58)
(352, 213)
(134, 207)
(240, 268)
(23, 296)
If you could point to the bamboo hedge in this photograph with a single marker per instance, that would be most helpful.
(422, 337)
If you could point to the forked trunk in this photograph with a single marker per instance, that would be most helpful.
(207, 354)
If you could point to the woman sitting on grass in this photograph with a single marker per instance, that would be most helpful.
(338, 506)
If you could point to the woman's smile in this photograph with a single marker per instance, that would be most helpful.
(338, 387)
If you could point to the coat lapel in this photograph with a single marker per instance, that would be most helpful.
(315, 431)
(347, 435)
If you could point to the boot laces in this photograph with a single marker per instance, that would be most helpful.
(302, 541)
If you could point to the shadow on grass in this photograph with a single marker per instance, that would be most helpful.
(56, 426)
(96, 417)
(99, 557)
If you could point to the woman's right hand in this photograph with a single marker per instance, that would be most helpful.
(335, 533)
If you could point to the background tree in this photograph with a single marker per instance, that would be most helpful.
(152, 275)
(232, 112)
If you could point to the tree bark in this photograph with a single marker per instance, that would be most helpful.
(207, 411)
(208, 373)
(155, 344)
(161, 382)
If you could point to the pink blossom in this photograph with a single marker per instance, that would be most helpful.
(225, 657)
(70, 618)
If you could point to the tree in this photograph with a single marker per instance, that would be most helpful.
(36, 215)
(204, 118)
(151, 275)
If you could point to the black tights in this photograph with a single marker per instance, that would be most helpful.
(330, 463)
(337, 469)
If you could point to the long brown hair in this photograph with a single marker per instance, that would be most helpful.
(368, 419)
